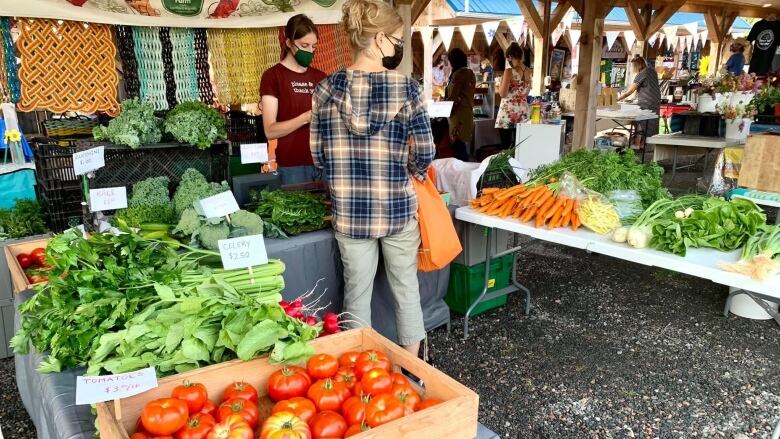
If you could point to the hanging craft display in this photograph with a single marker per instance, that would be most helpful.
(238, 59)
(205, 90)
(343, 49)
(67, 66)
(126, 48)
(151, 69)
(9, 73)
(326, 58)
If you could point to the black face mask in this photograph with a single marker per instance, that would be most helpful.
(392, 62)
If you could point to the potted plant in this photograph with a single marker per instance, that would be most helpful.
(708, 87)
(767, 99)
(746, 87)
(738, 119)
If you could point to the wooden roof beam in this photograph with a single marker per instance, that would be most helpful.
(559, 13)
(532, 17)
(718, 25)
(637, 19)
(418, 7)
(662, 15)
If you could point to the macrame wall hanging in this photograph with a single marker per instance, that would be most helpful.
(238, 59)
(67, 66)
(10, 89)
(333, 51)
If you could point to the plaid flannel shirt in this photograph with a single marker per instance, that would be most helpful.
(371, 133)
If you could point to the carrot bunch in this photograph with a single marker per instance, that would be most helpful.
(539, 204)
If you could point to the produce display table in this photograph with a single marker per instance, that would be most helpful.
(672, 145)
(701, 263)
(627, 121)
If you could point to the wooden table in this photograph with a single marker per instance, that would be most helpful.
(666, 143)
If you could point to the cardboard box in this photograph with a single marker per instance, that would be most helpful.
(18, 278)
(454, 418)
(761, 163)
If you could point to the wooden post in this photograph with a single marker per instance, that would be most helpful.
(718, 25)
(539, 26)
(404, 9)
(426, 33)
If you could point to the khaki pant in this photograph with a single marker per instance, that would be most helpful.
(361, 257)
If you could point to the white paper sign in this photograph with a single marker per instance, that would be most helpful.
(440, 109)
(254, 153)
(89, 160)
(218, 205)
(109, 198)
(91, 390)
(243, 252)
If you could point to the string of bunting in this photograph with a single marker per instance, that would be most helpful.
(9, 76)
(67, 66)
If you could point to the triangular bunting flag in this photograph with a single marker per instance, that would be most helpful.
(630, 38)
(612, 36)
(446, 35)
(516, 27)
(657, 37)
(672, 42)
(692, 28)
(575, 36)
(490, 29)
(704, 36)
(688, 41)
(669, 32)
(467, 32)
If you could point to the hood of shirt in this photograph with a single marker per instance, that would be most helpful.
(367, 102)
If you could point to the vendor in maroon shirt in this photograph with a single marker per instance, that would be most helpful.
(286, 90)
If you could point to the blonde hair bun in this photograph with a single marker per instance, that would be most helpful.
(363, 19)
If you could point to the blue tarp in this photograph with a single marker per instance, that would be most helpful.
(27, 151)
(16, 185)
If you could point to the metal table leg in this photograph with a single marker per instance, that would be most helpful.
(485, 287)
(757, 297)
(674, 162)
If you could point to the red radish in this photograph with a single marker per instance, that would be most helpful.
(336, 331)
(331, 326)
(330, 317)
(311, 320)
(284, 304)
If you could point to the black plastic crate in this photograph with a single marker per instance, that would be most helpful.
(54, 165)
(61, 207)
(497, 178)
(244, 128)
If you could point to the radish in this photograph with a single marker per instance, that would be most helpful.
(311, 320)
(331, 326)
(330, 317)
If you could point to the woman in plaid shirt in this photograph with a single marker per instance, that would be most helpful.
(371, 134)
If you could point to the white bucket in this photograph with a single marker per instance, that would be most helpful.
(737, 129)
(741, 98)
(743, 305)
(706, 104)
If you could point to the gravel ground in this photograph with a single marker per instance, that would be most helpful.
(13, 417)
(614, 350)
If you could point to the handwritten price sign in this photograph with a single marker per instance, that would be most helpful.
(243, 252)
(109, 198)
(254, 153)
(217, 206)
(91, 390)
(89, 160)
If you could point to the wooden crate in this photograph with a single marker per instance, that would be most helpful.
(454, 418)
(18, 278)
(761, 163)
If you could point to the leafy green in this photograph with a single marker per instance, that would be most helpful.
(194, 187)
(291, 211)
(206, 232)
(25, 219)
(195, 123)
(719, 224)
(150, 203)
(136, 125)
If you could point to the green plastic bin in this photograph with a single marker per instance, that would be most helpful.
(237, 168)
(466, 284)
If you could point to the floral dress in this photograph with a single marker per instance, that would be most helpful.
(514, 107)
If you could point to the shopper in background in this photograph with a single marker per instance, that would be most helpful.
(736, 62)
(439, 78)
(371, 133)
(514, 88)
(286, 90)
(648, 93)
(461, 92)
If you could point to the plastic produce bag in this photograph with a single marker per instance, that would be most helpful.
(594, 210)
(628, 204)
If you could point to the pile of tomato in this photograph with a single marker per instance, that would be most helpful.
(34, 265)
(330, 398)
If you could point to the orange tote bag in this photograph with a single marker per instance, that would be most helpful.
(440, 243)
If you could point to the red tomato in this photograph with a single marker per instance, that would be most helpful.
(285, 425)
(371, 360)
(242, 407)
(408, 397)
(327, 424)
(241, 390)
(139, 436)
(399, 378)
(25, 260)
(38, 256)
(194, 394)
(328, 395)
(164, 416)
(197, 427)
(288, 382)
(234, 427)
(383, 409)
(209, 408)
(428, 403)
(358, 390)
(347, 376)
(301, 407)
(322, 366)
(356, 429)
(354, 409)
(348, 359)
(376, 381)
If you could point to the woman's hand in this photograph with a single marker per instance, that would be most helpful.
(305, 118)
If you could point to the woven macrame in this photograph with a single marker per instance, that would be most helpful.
(205, 89)
(343, 49)
(184, 60)
(238, 59)
(167, 59)
(148, 53)
(125, 45)
(9, 73)
(67, 66)
(332, 54)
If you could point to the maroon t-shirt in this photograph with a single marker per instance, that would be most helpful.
(293, 90)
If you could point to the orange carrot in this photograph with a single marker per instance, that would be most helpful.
(529, 213)
(546, 205)
(559, 203)
(490, 190)
(575, 221)
(541, 193)
(514, 190)
(547, 195)
(569, 206)
(566, 220)
(507, 209)
(555, 221)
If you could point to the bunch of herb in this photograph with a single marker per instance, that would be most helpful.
(194, 187)
(135, 126)
(195, 123)
(605, 172)
(25, 219)
(150, 203)
(718, 224)
(293, 212)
